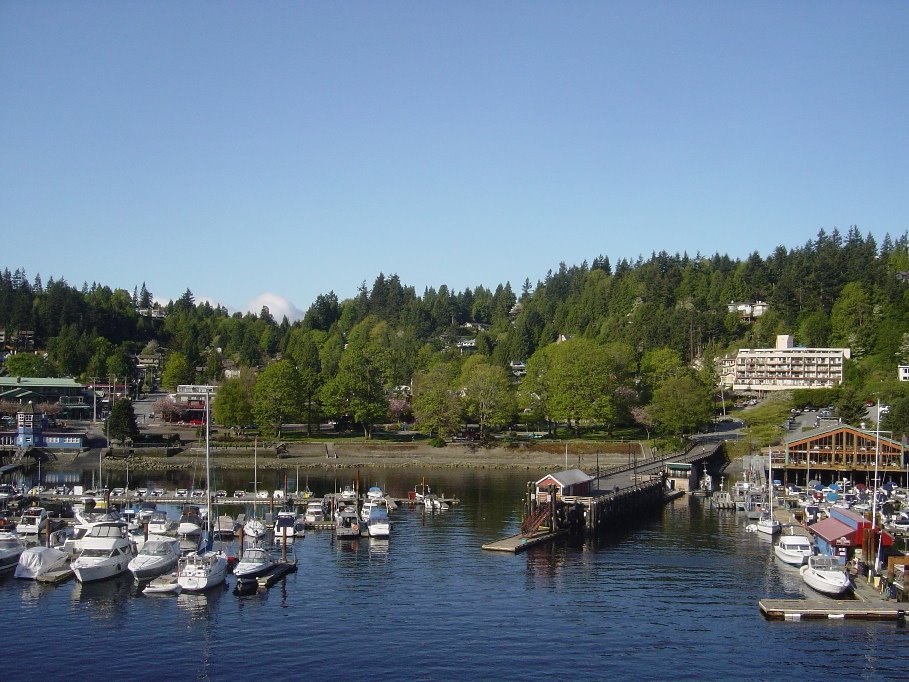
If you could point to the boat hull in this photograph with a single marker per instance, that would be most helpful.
(831, 583)
(148, 568)
(102, 570)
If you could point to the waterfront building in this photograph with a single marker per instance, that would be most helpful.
(32, 432)
(784, 367)
(841, 533)
(572, 482)
(832, 453)
(74, 399)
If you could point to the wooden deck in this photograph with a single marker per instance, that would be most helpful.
(867, 605)
(56, 577)
(515, 544)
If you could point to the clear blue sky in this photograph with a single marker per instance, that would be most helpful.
(239, 148)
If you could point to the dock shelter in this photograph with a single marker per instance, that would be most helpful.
(572, 482)
(841, 533)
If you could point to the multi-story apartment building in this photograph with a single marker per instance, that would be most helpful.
(785, 367)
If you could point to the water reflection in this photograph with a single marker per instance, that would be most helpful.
(105, 597)
(201, 605)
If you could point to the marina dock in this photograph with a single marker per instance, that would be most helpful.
(868, 604)
(515, 544)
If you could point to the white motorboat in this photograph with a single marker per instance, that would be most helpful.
(158, 556)
(37, 561)
(375, 493)
(348, 494)
(286, 527)
(315, 513)
(11, 549)
(254, 563)
(146, 511)
(106, 552)
(198, 572)
(378, 524)
(33, 521)
(367, 508)
(432, 503)
(793, 549)
(826, 575)
(159, 524)
(347, 523)
(190, 524)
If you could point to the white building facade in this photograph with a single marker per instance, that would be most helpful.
(786, 367)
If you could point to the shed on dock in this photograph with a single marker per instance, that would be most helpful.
(572, 482)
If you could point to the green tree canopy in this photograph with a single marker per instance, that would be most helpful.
(681, 405)
(29, 365)
(233, 403)
(121, 423)
(177, 371)
(487, 395)
(435, 403)
(277, 397)
(357, 390)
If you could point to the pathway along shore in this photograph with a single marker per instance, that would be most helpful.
(548, 456)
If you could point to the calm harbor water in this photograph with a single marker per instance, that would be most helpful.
(674, 597)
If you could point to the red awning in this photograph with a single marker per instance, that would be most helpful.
(836, 532)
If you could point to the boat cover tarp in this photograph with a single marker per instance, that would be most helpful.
(38, 560)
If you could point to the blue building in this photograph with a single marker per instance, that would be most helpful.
(31, 432)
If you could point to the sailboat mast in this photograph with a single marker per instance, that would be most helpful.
(207, 458)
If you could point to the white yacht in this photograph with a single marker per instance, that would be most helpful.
(33, 521)
(158, 556)
(378, 524)
(106, 552)
(793, 549)
(826, 575)
(198, 572)
(159, 524)
(375, 493)
(11, 549)
(36, 561)
(254, 563)
(347, 524)
(315, 513)
(285, 527)
(190, 524)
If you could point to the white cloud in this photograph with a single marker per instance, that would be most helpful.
(278, 306)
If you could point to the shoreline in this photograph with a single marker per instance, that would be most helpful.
(586, 456)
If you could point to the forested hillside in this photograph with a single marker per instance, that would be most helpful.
(636, 332)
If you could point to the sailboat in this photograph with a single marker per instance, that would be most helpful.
(254, 528)
(766, 523)
(206, 568)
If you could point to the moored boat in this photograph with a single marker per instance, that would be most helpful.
(34, 520)
(826, 575)
(106, 552)
(158, 556)
(793, 549)
(11, 549)
(37, 561)
(254, 563)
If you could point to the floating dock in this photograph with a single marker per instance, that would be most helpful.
(56, 577)
(515, 544)
(867, 605)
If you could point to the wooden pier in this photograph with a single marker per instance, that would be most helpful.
(515, 544)
(868, 604)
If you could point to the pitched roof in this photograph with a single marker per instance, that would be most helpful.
(569, 477)
(824, 430)
(830, 529)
